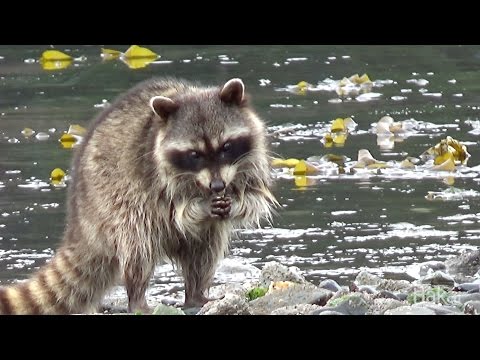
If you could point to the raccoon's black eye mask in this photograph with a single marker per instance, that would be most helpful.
(195, 160)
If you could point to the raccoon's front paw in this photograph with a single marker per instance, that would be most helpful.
(221, 206)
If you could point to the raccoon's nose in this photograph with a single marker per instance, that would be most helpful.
(217, 185)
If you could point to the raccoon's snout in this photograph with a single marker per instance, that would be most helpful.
(217, 185)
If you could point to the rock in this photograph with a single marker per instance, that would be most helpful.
(274, 271)
(379, 306)
(394, 285)
(167, 310)
(367, 289)
(439, 309)
(232, 266)
(111, 309)
(230, 288)
(365, 278)
(231, 304)
(409, 310)
(438, 278)
(353, 304)
(472, 307)
(463, 298)
(401, 296)
(385, 294)
(302, 309)
(329, 312)
(465, 265)
(469, 287)
(432, 295)
(429, 266)
(169, 301)
(331, 285)
(293, 295)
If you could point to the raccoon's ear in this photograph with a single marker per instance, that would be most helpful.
(163, 106)
(233, 92)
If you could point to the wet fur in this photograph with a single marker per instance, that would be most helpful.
(129, 209)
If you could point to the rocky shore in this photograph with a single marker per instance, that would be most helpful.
(442, 288)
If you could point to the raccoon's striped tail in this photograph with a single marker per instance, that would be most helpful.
(72, 282)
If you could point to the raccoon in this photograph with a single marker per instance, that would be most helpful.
(167, 172)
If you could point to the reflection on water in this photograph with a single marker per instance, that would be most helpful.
(331, 224)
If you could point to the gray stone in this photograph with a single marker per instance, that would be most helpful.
(331, 285)
(365, 278)
(231, 304)
(329, 312)
(438, 278)
(425, 268)
(387, 295)
(409, 310)
(368, 289)
(463, 298)
(274, 271)
(301, 309)
(472, 307)
(401, 296)
(467, 264)
(439, 309)
(470, 287)
(293, 295)
(354, 304)
(394, 285)
(233, 266)
(379, 306)
(167, 310)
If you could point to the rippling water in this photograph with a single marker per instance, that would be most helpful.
(335, 225)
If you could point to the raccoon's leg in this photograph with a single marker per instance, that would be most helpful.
(137, 276)
(198, 270)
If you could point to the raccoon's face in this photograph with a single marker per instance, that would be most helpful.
(208, 134)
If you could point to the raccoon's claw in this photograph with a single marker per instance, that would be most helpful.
(221, 206)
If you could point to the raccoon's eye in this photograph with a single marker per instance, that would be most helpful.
(227, 147)
(194, 155)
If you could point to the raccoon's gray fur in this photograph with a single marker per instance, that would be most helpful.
(166, 172)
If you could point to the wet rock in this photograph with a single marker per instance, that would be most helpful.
(429, 266)
(169, 301)
(329, 312)
(434, 295)
(274, 271)
(331, 285)
(439, 309)
(167, 310)
(387, 295)
(293, 295)
(367, 289)
(230, 288)
(112, 309)
(409, 310)
(401, 296)
(379, 306)
(468, 287)
(231, 304)
(302, 309)
(232, 266)
(463, 298)
(472, 307)
(365, 278)
(394, 285)
(353, 304)
(464, 266)
(438, 278)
